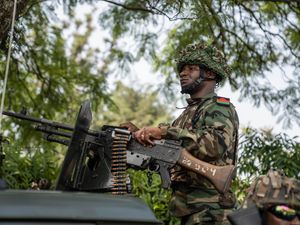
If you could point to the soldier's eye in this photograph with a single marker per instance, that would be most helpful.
(194, 67)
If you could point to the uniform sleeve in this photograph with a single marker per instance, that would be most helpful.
(212, 138)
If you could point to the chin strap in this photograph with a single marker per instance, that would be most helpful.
(190, 89)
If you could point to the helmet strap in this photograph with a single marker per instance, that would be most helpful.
(192, 88)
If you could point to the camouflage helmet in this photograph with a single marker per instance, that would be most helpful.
(272, 189)
(206, 56)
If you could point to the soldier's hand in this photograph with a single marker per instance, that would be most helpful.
(147, 135)
(130, 126)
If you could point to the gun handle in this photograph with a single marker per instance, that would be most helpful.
(164, 174)
(219, 176)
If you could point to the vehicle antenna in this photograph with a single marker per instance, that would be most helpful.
(8, 61)
(2, 183)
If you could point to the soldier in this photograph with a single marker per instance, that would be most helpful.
(273, 199)
(208, 128)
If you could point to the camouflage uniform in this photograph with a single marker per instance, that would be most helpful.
(208, 128)
(268, 190)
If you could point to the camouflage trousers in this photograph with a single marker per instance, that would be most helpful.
(197, 206)
(211, 217)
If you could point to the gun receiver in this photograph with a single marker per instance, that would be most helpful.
(169, 152)
(97, 160)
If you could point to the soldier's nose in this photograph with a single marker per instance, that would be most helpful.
(183, 73)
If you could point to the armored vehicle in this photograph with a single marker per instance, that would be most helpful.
(26, 207)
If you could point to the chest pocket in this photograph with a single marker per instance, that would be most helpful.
(198, 118)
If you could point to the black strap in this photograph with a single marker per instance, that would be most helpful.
(197, 113)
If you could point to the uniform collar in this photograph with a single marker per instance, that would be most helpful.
(192, 101)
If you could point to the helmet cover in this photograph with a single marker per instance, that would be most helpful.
(205, 56)
(272, 189)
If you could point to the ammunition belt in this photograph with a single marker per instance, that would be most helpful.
(119, 161)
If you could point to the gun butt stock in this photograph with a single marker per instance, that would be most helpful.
(219, 176)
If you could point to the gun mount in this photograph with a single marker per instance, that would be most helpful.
(87, 166)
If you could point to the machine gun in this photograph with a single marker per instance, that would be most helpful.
(97, 160)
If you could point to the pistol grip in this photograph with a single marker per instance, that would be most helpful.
(164, 174)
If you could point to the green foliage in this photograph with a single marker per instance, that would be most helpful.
(142, 107)
(24, 165)
(50, 74)
(146, 185)
(261, 151)
(239, 187)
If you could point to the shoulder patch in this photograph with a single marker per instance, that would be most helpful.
(223, 101)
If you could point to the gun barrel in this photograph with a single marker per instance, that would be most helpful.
(37, 120)
(47, 122)
(48, 130)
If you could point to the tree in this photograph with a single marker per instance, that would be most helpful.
(22, 7)
(6, 9)
(49, 78)
(140, 105)
(255, 36)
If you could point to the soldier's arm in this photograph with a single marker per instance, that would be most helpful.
(217, 133)
(212, 138)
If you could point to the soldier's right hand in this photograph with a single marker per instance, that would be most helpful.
(130, 126)
(147, 135)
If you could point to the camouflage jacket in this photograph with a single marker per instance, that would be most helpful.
(208, 128)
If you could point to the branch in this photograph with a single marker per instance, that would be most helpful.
(259, 23)
(280, 1)
(22, 82)
(154, 10)
(128, 7)
(284, 15)
(218, 22)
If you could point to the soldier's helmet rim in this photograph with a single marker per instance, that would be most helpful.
(206, 56)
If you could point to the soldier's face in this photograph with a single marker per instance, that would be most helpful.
(189, 74)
